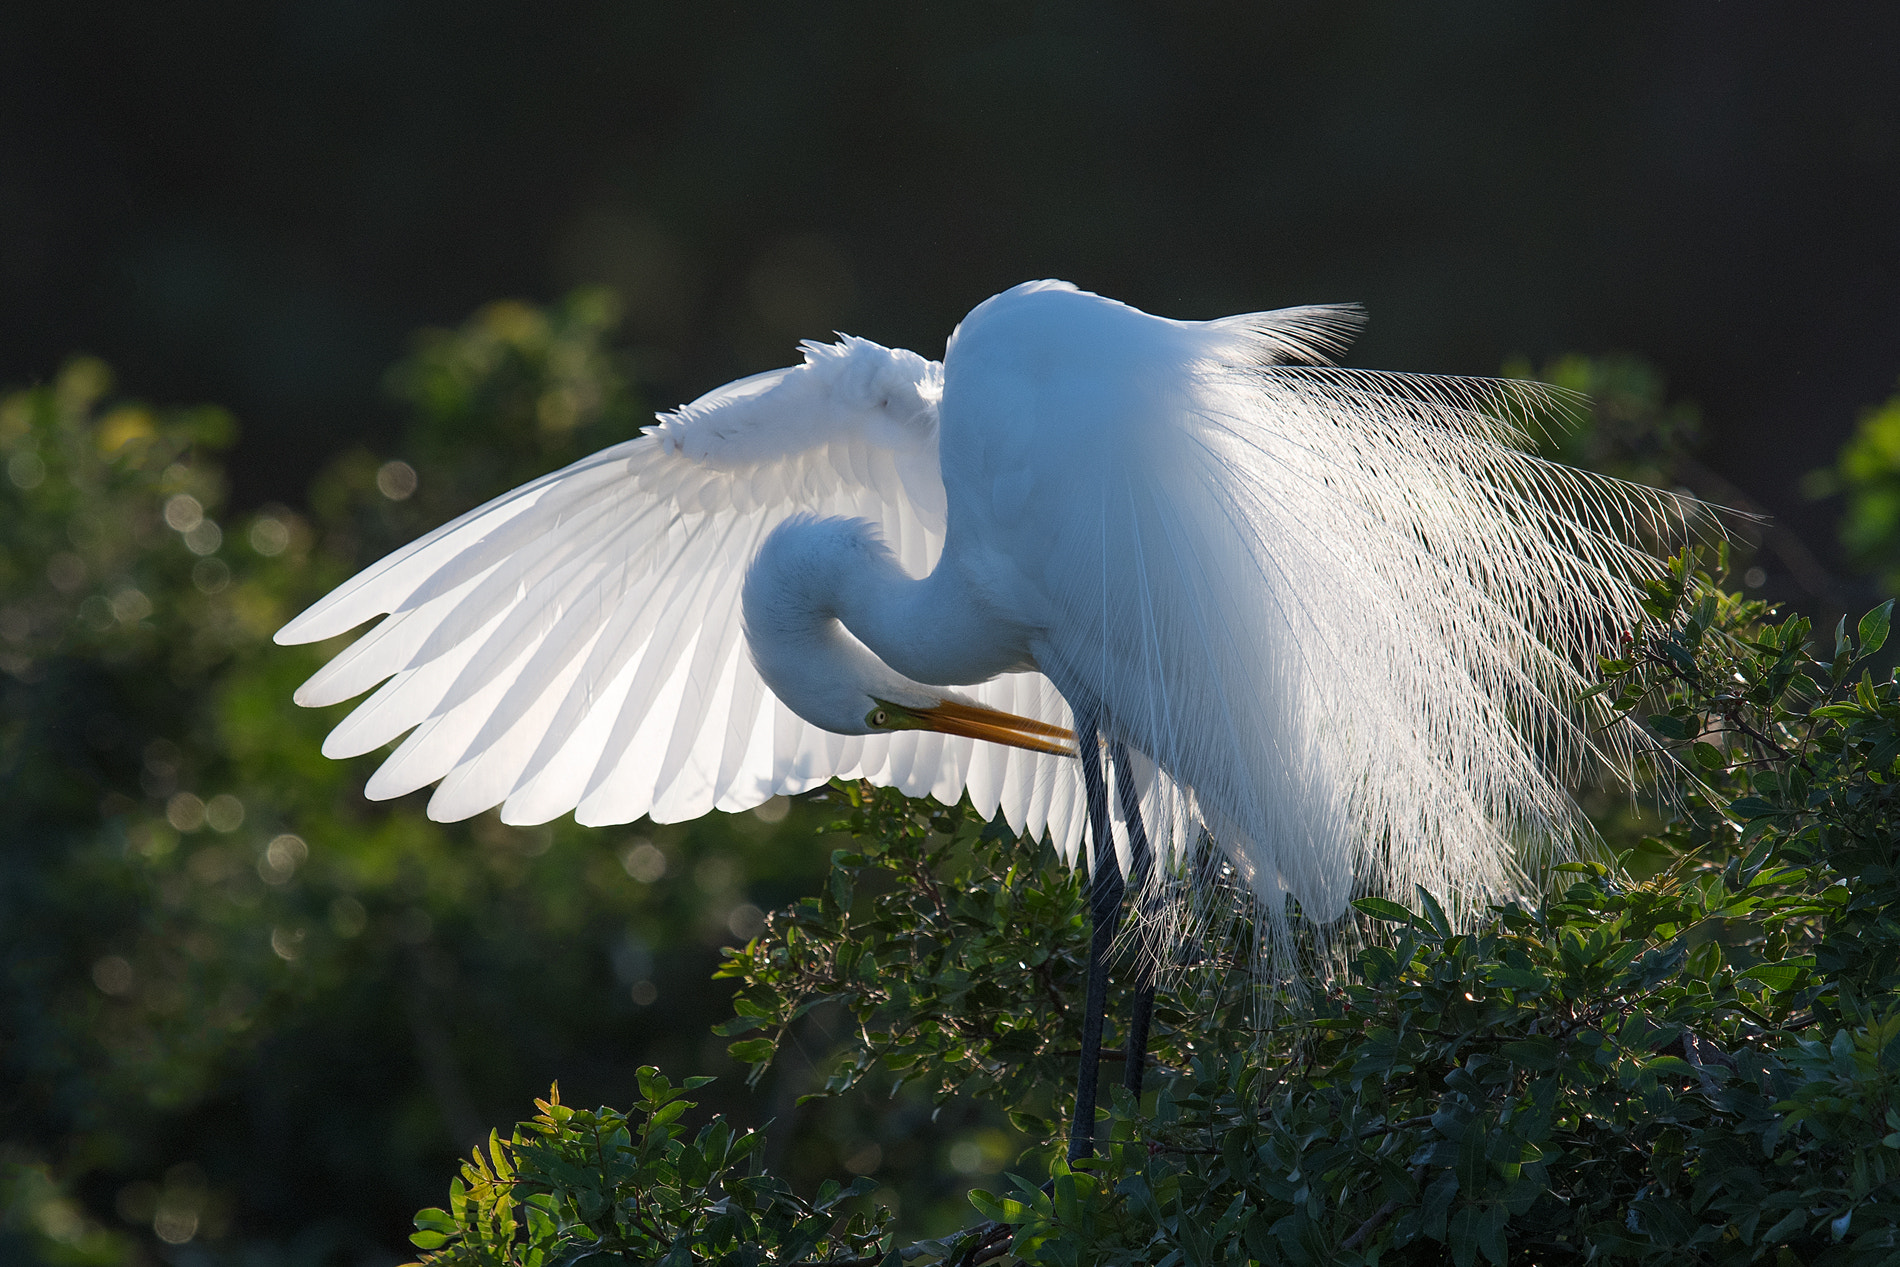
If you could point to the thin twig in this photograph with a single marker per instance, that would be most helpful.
(1371, 1225)
(1379, 1216)
(991, 1242)
(1404, 1124)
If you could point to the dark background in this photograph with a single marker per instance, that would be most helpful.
(258, 203)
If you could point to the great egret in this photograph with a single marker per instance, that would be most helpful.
(1331, 620)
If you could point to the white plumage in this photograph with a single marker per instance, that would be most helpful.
(1338, 617)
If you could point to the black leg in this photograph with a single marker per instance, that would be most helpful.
(1105, 898)
(1135, 1053)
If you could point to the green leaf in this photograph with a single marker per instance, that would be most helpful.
(1789, 1222)
(1029, 1124)
(1463, 1235)
(1433, 911)
(1536, 1052)
(1709, 757)
(998, 1209)
(752, 1051)
(668, 1113)
(1525, 980)
(1435, 1204)
(1491, 1235)
(1673, 1065)
(1386, 909)
(1777, 976)
(1656, 965)
(1668, 727)
(1874, 627)
(1704, 960)
(841, 885)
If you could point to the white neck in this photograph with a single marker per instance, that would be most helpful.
(815, 579)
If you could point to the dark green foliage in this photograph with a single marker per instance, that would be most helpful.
(514, 393)
(1629, 428)
(952, 948)
(1690, 1053)
(1868, 475)
(213, 1035)
(573, 1184)
(244, 1011)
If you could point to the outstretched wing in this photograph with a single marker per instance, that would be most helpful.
(576, 644)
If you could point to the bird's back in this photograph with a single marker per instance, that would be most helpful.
(1340, 613)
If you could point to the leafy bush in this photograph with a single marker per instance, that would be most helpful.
(564, 1179)
(245, 1011)
(1868, 474)
(1689, 1052)
(248, 1012)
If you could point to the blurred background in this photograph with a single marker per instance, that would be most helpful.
(377, 261)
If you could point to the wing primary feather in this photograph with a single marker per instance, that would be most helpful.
(379, 588)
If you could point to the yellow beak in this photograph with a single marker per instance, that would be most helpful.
(969, 721)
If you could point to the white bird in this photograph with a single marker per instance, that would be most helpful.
(1339, 619)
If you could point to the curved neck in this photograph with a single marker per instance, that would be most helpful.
(815, 578)
(935, 629)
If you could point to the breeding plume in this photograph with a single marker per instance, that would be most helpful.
(1334, 622)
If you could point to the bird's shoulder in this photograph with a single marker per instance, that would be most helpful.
(853, 392)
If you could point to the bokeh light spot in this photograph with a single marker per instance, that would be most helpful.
(269, 536)
(966, 1157)
(396, 480)
(716, 874)
(185, 812)
(26, 470)
(113, 975)
(287, 943)
(211, 576)
(224, 812)
(746, 921)
(66, 571)
(184, 512)
(643, 861)
(205, 538)
(347, 917)
(281, 859)
(130, 605)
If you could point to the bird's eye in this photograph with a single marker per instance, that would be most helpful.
(880, 718)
